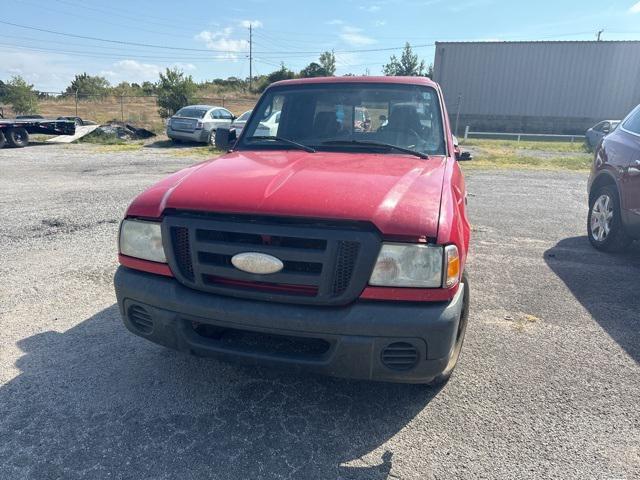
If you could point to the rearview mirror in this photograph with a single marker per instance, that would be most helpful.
(225, 138)
(464, 157)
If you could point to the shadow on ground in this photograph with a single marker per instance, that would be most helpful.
(607, 285)
(97, 402)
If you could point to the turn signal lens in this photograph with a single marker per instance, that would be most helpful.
(452, 259)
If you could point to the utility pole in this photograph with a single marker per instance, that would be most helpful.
(600, 32)
(250, 57)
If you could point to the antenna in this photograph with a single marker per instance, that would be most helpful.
(599, 34)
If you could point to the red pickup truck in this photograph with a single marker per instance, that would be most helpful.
(325, 246)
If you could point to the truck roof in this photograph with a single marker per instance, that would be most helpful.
(380, 79)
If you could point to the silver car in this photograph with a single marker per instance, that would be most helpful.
(198, 123)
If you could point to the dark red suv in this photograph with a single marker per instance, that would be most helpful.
(614, 187)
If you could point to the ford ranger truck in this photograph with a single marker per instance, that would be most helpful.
(319, 245)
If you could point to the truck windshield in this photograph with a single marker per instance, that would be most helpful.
(348, 117)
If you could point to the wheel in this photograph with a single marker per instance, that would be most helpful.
(3, 139)
(17, 137)
(604, 222)
(212, 138)
(457, 347)
(175, 140)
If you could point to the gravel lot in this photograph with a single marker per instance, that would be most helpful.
(547, 387)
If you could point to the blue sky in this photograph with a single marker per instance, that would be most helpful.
(209, 39)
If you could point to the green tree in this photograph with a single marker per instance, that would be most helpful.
(86, 84)
(175, 90)
(313, 70)
(429, 71)
(21, 96)
(282, 74)
(148, 88)
(408, 65)
(328, 63)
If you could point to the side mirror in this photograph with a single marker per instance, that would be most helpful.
(464, 157)
(225, 138)
(606, 129)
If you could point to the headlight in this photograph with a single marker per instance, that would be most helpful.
(408, 265)
(418, 266)
(142, 239)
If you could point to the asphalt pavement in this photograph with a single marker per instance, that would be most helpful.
(547, 386)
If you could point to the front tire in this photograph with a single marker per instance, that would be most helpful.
(444, 377)
(212, 138)
(604, 222)
(17, 137)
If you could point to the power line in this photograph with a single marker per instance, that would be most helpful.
(119, 42)
(75, 13)
(116, 56)
(147, 45)
(140, 16)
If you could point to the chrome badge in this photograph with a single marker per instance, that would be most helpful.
(259, 263)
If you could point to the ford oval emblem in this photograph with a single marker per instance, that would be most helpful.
(254, 262)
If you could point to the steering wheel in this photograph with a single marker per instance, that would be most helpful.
(411, 131)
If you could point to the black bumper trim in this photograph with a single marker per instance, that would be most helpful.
(357, 333)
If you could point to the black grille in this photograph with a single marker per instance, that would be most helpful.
(140, 319)
(347, 255)
(322, 264)
(182, 250)
(259, 342)
(400, 356)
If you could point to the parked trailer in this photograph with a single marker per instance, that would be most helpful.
(15, 132)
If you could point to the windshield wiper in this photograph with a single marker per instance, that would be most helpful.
(283, 140)
(379, 145)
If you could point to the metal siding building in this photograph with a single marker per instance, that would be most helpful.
(547, 87)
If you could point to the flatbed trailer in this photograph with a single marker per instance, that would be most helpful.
(15, 132)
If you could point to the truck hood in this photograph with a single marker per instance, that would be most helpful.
(399, 194)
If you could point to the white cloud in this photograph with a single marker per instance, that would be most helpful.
(251, 23)
(371, 8)
(379, 23)
(335, 21)
(635, 8)
(354, 37)
(221, 41)
(48, 72)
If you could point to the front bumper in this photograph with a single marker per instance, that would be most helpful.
(356, 338)
(201, 136)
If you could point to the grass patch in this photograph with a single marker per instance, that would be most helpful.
(577, 147)
(505, 154)
(100, 138)
(120, 147)
(185, 149)
(203, 152)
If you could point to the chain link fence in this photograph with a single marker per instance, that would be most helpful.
(140, 110)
